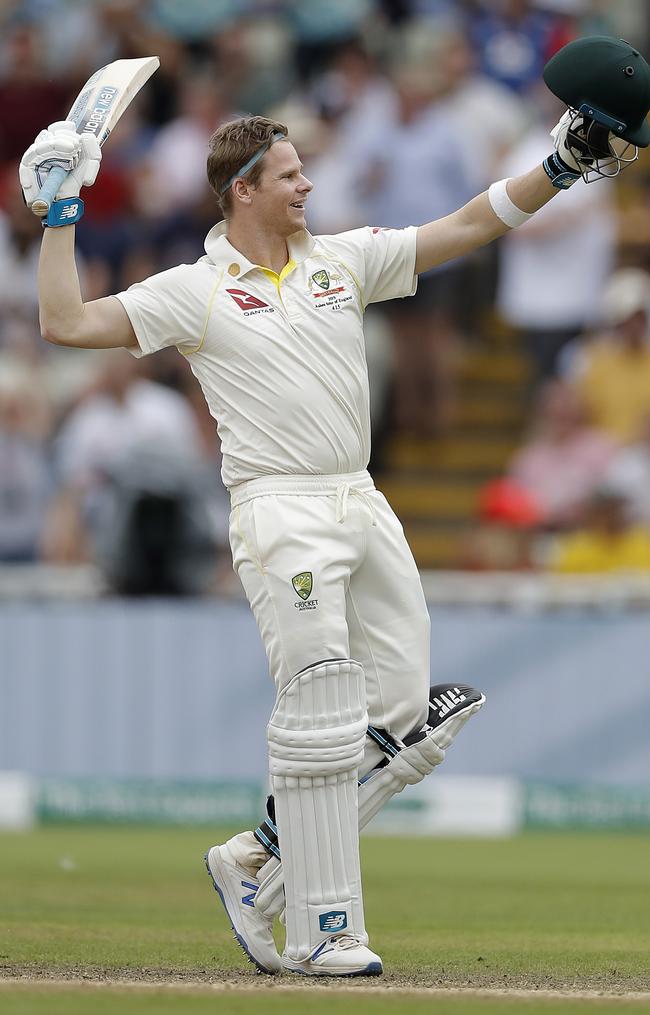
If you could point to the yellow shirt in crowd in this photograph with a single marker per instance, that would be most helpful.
(616, 389)
(595, 552)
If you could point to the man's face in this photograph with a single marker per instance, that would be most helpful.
(279, 198)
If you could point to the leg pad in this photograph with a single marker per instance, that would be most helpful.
(316, 740)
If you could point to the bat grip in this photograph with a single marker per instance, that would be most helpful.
(48, 192)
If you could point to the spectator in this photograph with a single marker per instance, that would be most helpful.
(439, 121)
(513, 41)
(122, 413)
(349, 99)
(629, 475)
(160, 524)
(29, 100)
(20, 238)
(254, 56)
(176, 163)
(503, 538)
(318, 37)
(553, 269)
(418, 142)
(564, 460)
(606, 543)
(613, 373)
(25, 480)
(490, 118)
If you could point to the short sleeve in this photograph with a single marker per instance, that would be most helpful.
(168, 309)
(382, 259)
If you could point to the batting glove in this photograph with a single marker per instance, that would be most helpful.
(60, 145)
(562, 166)
(559, 135)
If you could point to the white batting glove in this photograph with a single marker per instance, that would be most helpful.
(60, 145)
(559, 134)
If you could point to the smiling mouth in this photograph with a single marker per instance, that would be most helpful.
(298, 204)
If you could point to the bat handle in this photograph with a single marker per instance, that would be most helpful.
(48, 192)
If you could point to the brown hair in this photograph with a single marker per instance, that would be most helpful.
(231, 146)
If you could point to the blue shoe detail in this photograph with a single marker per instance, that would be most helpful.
(372, 969)
(249, 900)
(238, 937)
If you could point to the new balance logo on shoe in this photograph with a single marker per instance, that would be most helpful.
(333, 921)
(249, 900)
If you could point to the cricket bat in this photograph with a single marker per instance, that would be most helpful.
(96, 110)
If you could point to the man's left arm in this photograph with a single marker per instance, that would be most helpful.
(478, 223)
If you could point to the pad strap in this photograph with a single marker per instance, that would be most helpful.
(267, 832)
(65, 212)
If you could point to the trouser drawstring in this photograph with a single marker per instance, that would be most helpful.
(343, 493)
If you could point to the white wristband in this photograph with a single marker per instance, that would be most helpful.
(504, 208)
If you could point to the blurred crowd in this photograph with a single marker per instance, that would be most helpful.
(401, 110)
(576, 496)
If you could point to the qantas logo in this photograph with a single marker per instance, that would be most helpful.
(245, 301)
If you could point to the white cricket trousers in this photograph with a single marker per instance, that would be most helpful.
(329, 575)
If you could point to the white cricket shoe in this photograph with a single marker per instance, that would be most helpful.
(237, 889)
(342, 955)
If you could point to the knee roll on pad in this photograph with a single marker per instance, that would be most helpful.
(318, 726)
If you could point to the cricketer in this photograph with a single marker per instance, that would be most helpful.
(270, 319)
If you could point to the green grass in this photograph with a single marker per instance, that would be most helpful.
(110, 1002)
(539, 911)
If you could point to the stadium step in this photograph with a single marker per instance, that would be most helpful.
(426, 499)
(502, 366)
(433, 484)
(436, 546)
(451, 453)
(491, 410)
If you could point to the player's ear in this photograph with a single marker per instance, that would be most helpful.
(241, 191)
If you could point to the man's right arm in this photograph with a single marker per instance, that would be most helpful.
(65, 318)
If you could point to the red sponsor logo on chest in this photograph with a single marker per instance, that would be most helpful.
(245, 301)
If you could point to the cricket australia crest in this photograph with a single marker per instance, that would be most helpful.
(327, 289)
(303, 584)
(321, 278)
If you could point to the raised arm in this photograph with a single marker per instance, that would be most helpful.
(477, 223)
(509, 203)
(65, 318)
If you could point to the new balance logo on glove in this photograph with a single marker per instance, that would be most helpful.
(444, 701)
(69, 212)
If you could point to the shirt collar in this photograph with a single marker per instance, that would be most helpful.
(222, 253)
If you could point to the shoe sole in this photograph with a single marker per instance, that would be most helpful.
(372, 969)
(241, 941)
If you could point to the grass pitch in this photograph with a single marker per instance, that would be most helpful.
(537, 913)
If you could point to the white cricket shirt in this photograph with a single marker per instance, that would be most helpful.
(280, 358)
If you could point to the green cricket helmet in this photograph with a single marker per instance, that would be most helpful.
(605, 82)
(606, 79)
